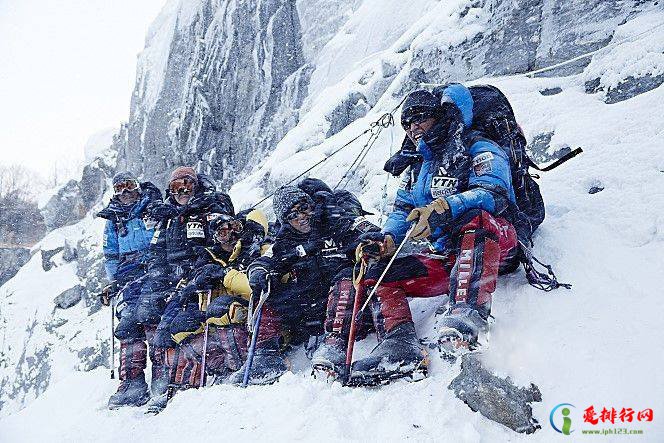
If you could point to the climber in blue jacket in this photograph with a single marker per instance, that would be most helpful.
(127, 236)
(457, 196)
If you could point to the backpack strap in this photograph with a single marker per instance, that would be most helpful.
(560, 161)
(538, 279)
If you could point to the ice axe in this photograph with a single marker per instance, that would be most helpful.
(205, 340)
(112, 353)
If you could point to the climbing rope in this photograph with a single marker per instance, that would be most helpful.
(385, 121)
(375, 128)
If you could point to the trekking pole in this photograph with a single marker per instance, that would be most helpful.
(387, 268)
(255, 325)
(360, 291)
(359, 294)
(205, 340)
(112, 353)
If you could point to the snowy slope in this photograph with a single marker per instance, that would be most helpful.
(596, 344)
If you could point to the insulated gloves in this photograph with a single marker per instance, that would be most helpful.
(208, 276)
(162, 211)
(374, 246)
(436, 214)
(107, 293)
(227, 310)
(327, 211)
(258, 276)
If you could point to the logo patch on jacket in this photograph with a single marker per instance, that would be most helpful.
(443, 186)
(195, 230)
(482, 163)
(331, 249)
(361, 224)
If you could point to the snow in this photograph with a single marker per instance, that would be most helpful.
(371, 28)
(598, 343)
(641, 53)
(27, 313)
(97, 143)
(177, 15)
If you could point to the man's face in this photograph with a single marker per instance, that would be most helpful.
(128, 197)
(127, 192)
(225, 235)
(418, 127)
(299, 217)
(182, 189)
(182, 199)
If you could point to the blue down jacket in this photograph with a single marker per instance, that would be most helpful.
(126, 237)
(467, 177)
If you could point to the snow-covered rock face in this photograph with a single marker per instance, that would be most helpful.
(256, 92)
(74, 200)
(11, 260)
(221, 82)
(218, 84)
(50, 321)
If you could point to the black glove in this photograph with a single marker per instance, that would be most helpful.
(258, 280)
(207, 275)
(327, 211)
(163, 211)
(405, 157)
(374, 245)
(186, 294)
(108, 292)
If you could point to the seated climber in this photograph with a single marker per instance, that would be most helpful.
(183, 229)
(308, 261)
(127, 236)
(220, 273)
(458, 198)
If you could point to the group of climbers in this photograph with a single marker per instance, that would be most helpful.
(188, 271)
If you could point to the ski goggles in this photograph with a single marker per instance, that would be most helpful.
(301, 208)
(125, 186)
(416, 116)
(223, 232)
(182, 186)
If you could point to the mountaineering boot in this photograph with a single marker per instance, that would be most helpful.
(159, 395)
(458, 330)
(399, 355)
(329, 360)
(267, 366)
(160, 387)
(131, 392)
(158, 402)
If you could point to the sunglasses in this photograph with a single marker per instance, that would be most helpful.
(182, 186)
(416, 118)
(302, 208)
(125, 186)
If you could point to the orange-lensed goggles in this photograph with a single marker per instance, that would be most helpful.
(125, 186)
(182, 186)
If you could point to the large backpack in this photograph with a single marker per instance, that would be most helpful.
(494, 119)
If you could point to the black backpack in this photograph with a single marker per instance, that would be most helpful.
(493, 118)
